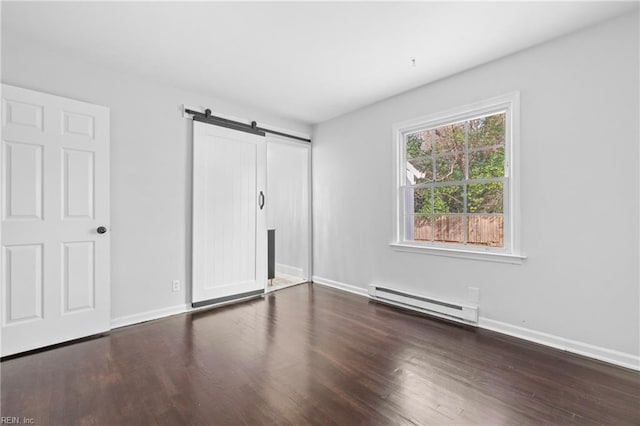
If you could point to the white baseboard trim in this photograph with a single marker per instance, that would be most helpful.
(289, 270)
(340, 286)
(148, 315)
(603, 354)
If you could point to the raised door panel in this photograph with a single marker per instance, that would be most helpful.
(78, 191)
(75, 124)
(78, 276)
(23, 114)
(23, 181)
(22, 283)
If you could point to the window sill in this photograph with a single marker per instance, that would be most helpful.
(515, 259)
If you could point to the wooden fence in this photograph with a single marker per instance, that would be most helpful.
(483, 230)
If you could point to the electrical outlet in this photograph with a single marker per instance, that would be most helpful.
(474, 294)
(176, 285)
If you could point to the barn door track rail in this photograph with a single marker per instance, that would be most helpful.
(206, 117)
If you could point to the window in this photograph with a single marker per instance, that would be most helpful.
(455, 187)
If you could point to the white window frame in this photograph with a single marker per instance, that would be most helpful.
(510, 253)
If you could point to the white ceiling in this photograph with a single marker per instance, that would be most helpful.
(304, 61)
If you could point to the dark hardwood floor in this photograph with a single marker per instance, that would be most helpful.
(309, 354)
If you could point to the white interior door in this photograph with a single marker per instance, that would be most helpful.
(229, 221)
(55, 196)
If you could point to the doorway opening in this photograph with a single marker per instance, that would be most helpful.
(288, 212)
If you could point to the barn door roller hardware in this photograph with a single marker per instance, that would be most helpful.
(206, 117)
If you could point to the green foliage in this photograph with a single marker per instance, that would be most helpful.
(485, 138)
(486, 131)
(414, 142)
(485, 198)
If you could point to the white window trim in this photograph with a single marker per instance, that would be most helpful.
(511, 252)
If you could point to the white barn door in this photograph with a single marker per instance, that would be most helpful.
(229, 221)
(55, 207)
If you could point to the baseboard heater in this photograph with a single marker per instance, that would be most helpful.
(453, 311)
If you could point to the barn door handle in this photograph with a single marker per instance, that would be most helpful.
(261, 202)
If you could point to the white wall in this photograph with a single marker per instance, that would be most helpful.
(150, 166)
(288, 204)
(579, 168)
